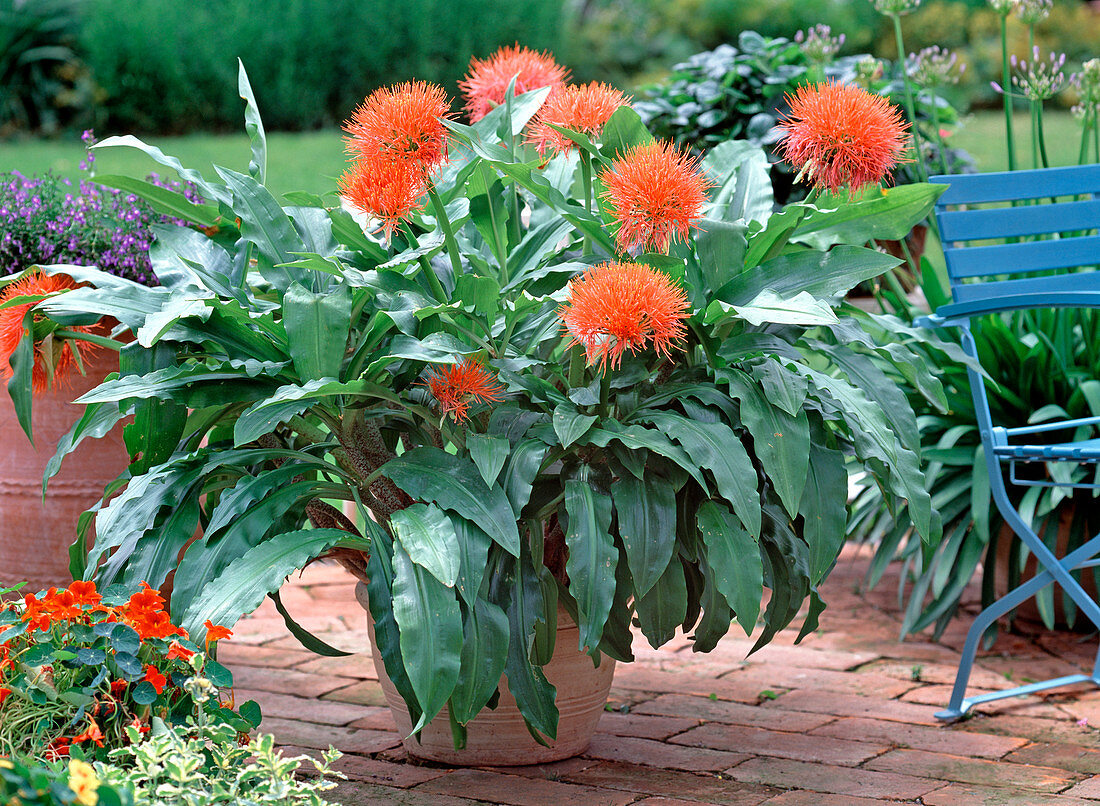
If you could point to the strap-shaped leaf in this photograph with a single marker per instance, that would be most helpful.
(523, 467)
(785, 556)
(717, 615)
(822, 507)
(208, 189)
(646, 509)
(473, 555)
(265, 224)
(569, 424)
(484, 653)
(428, 537)
(317, 326)
(253, 125)
(592, 559)
(164, 201)
(430, 474)
(664, 606)
(96, 421)
(304, 636)
(430, 626)
(265, 415)
(489, 454)
(734, 555)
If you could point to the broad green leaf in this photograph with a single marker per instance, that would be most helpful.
(430, 626)
(720, 246)
(243, 584)
(473, 554)
(265, 224)
(304, 636)
(265, 415)
(787, 571)
(484, 653)
(742, 178)
(95, 422)
(591, 561)
(570, 425)
(317, 326)
(623, 130)
(19, 386)
(523, 467)
(646, 510)
(430, 474)
(716, 447)
(881, 214)
(164, 201)
(717, 615)
(637, 437)
(734, 555)
(208, 190)
(489, 454)
(158, 425)
(664, 606)
(428, 537)
(435, 348)
(822, 507)
(768, 308)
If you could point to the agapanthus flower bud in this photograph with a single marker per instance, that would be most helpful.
(934, 67)
(1040, 80)
(819, 44)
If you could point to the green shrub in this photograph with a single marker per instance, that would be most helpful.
(171, 66)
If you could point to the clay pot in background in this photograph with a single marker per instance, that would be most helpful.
(499, 737)
(34, 535)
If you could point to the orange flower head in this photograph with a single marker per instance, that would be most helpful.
(85, 593)
(92, 734)
(4, 694)
(403, 123)
(458, 386)
(840, 135)
(216, 633)
(656, 193)
(62, 605)
(388, 192)
(583, 108)
(62, 358)
(154, 677)
(176, 650)
(615, 307)
(486, 83)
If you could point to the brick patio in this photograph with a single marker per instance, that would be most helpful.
(843, 719)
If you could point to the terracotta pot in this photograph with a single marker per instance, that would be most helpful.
(499, 737)
(34, 535)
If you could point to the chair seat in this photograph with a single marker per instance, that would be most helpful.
(1086, 450)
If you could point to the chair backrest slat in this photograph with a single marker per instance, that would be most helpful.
(1011, 222)
(1009, 185)
(1022, 258)
(1029, 286)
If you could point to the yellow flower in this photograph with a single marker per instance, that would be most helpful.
(6, 764)
(83, 782)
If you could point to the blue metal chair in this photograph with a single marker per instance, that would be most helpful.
(1048, 231)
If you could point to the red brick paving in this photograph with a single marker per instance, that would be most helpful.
(843, 719)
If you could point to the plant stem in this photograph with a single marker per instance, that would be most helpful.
(911, 106)
(605, 393)
(576, 367)
(1006, 78)
(586, 182)
(448, 232)
(433, 281)
(101, 341)
(939, 136)
(1034, 134)
(1039, 132)
(1083, 151)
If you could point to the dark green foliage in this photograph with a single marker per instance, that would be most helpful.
(170, 66)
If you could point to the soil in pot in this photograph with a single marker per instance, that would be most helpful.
(35, 535)
(499, 737)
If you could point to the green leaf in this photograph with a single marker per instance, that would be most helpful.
(888, 214)
(250, 710)
(570, 425)
(317, 326)
(822, 507)
(158, 425)
(428, 537)
(741, 174)
(22, 364)
(523, 467)
(265, 224)
(243, 584)
(591, 561)
(143, 693)
(646, 510)
(304, 636)
(717, 614)
(716, 447)
(430, 626)
(253, 125)
(96, 421)
(430, 474)
(208, 190)
(164, 201)
(489, 454)
(473, 554)
(664, 606)
(263, 416)
(720, 246)
(768, 308)
(623, 130)
(734, 554)
(484, 653)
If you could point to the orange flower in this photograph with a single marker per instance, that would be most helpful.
(216, 633)
(458, 386)
(118, 687)
(386, 192)
(62, 358)
(177, 651)
(153, 675)
(655, 192)
(403, 123)
(139, 726)
(58, 748)
(486, 82)
(62, 605)
(84, 593)
(615, 307)
(583, 108)
(37, 615)
(841, 135)
(92, 734)
(4, 694)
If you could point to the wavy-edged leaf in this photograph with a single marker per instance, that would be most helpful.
(317, 327)
(664, 606)
(164, 201)
(265, 415)
(253, 125)
(209, 190)
(822, 508)
(428, 537)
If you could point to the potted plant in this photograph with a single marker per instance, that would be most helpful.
(45, 220)
(562, 394)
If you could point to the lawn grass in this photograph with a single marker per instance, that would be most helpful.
(308, 161)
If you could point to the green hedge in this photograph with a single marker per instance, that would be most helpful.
(171, 66)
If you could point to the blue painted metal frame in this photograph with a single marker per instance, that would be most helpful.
(994, 295)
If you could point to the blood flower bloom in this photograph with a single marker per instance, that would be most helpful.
(403, 123)
(583, 108)
(656, 193)
(615, 307)
(458, 386)
(389, 193)
(62, 357)
(486, 82)
(842, 136)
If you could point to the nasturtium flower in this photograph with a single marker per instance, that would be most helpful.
(615, 307)
(216, 633)
(4, 694)
(155, 678)
(402, 123)
(839, 135)
(91, 734)
(584, 108)
(456, 387)
(486, 84)
(83, 782)
(656, 193)
(389, 193)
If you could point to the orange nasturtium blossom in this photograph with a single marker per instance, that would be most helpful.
(85, 593)
(11, 331)
(456, 387)
(216, 633)
(486, 84)
(615, 307)
(389, 193)
(4, 694)
(175, 650)
(153, 676)
(402, 123)
(583, 108)
(92, 734)
(840, 135)
(656, 193)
